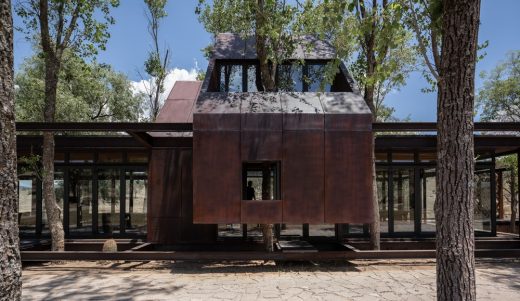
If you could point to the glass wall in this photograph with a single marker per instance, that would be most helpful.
(482, 204)
(428, 200)
(135, 209)
(408, 208)
(290, 77)
(99, 193)
(27, 211)
(109, 200)
(404, 200)
(80, 200)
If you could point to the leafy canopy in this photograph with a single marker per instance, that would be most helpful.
(86, 92)
(73, 24)
(499, 97)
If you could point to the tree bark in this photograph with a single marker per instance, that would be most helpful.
(267, 76)
(53, 55)
(455, 166)
(10, 265)
(53, 210)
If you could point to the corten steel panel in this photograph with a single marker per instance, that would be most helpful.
(261, 145)
(179, 230)
(164, 184)
(217, 111)
(348, 177)
(262, 212)
(349, 122)
(302, 111)
(260, 111)
(302, 177)
(170, 199)
(178, 107)
(216, 177)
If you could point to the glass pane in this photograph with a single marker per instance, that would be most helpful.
(403, 200)
(291, 230)
(230, 230)
(327, 230)
(135, 215)
(231, 78)
(27, 206)
(316, 77)
(382, 198)
(428, 200)
(251, 79)
(482, 198)
(254, 188)
(108, 201)
(80, 200)
(290, 78)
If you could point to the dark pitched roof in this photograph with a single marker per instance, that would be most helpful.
(232, 46)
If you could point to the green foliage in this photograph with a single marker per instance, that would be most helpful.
(156, 65)
(499, 97)
(272, 22)
(31, 164)
(86, 92)
(73, 24)
(370, 37)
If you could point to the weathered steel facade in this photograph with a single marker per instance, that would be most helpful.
(193, 161)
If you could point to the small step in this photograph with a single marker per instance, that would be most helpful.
(296, 246)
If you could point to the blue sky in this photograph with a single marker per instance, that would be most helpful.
(129, 44)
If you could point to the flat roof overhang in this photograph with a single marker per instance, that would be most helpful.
(497, 137)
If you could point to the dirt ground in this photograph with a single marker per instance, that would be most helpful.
(256, 280)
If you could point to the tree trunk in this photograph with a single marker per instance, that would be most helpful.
(53, 210)
(375, 228)
(267, 69)
(267, 76)
(455, 166)
(10, 265)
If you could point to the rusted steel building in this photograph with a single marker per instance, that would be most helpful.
(224, 156)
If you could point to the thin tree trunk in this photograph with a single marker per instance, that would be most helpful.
(375, 228)
(10, 265)
(455, 166)
(267, 76)
(53, 210)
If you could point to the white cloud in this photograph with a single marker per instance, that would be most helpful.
(173, 76)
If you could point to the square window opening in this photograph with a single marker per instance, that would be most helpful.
(261, 180)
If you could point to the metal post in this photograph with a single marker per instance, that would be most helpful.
(95, 201)
(390, 195)
(417, 195)
(493, 196)
(305, 230)
(39, 207)
(66, 209)
(122, 201)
